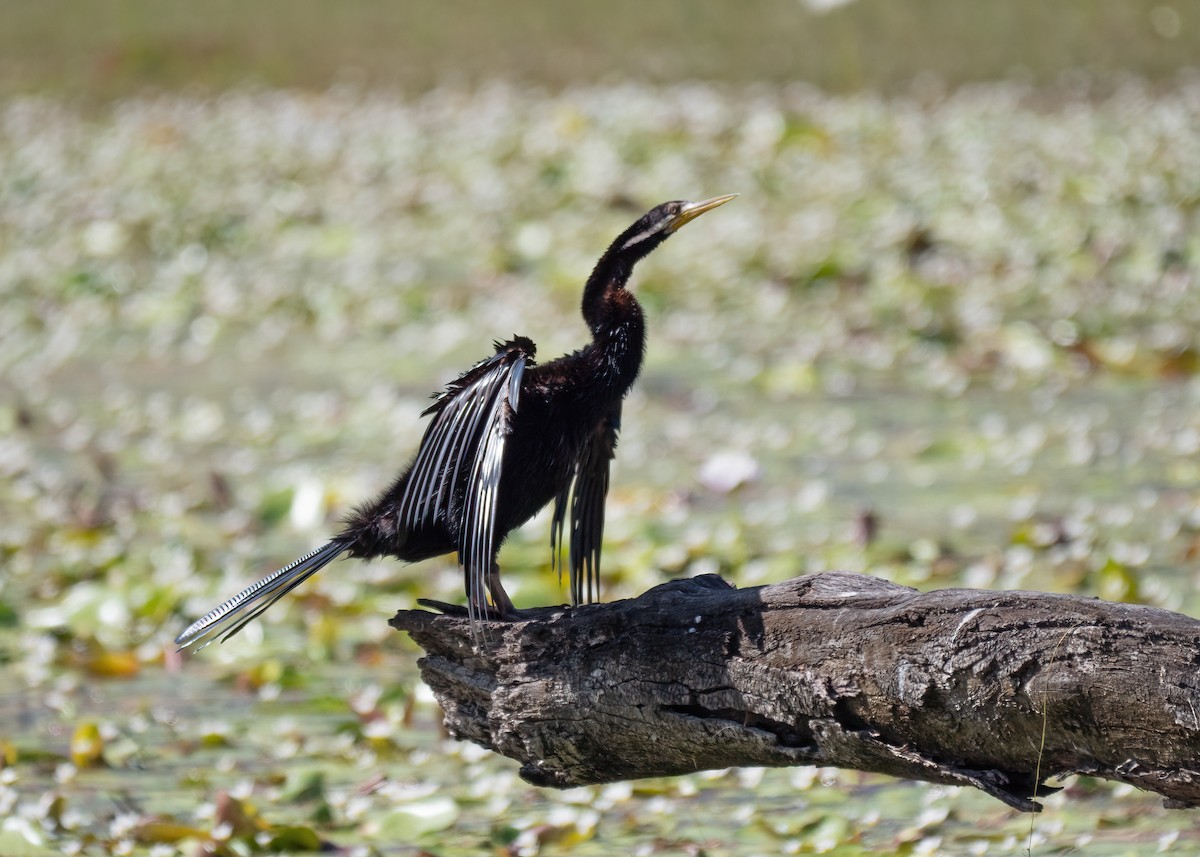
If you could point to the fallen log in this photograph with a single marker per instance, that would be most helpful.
(996, 690)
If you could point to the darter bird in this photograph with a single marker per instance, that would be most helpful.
(506, 438)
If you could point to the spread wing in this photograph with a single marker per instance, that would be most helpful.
(471, 422)
(585, 496)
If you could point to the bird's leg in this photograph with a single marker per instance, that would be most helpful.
(502, 606)
(502, 603)
(478, 592)
(480, 587)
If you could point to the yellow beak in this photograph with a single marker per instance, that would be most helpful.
(694, 209)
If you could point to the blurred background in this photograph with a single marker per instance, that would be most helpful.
(115, 48)
(944, 336)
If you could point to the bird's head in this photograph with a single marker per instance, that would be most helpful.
(605, 292)
(662, 221)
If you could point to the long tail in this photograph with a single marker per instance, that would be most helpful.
(230, 617)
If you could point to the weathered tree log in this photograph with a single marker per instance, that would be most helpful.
(996, 690)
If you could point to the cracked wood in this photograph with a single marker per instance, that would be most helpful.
(951, 686)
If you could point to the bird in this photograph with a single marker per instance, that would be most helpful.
(505, 438)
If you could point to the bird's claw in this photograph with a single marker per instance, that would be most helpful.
(443, 607)
(490, 612)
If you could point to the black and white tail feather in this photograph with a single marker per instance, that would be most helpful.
(234, 614)
(472, 420)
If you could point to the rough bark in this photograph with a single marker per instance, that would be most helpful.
(996, 690)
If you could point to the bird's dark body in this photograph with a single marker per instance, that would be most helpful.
(505, 439)
(561, 405)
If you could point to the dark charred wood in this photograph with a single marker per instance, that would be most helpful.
(996, 690)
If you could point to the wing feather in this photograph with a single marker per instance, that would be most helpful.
(585, 496)
(478, 540)
(451, 444)
(471, 423)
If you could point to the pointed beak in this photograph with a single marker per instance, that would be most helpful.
(694, 209)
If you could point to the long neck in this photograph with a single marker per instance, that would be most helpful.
(615, 317)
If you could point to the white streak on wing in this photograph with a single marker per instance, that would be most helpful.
(453, 433)
(514, 384)
(478, 532)
(447, 438)
(444, 435)
(460, 453)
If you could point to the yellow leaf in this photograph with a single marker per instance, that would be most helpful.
(113, 664)
(241, 816)
(157, 831)
(86, 745)
(8, 754)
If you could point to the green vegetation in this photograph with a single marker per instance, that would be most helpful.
(109, 48)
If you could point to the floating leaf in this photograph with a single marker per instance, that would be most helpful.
(120, 750)
(87, 745)
(1117, 582)
(8, 754)
(240, 817)
(294, 839)
(113, 664)
(52, 811)
(275, 507)
(303, 784)
(415, 820)
(15, 844)
(163, 832)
